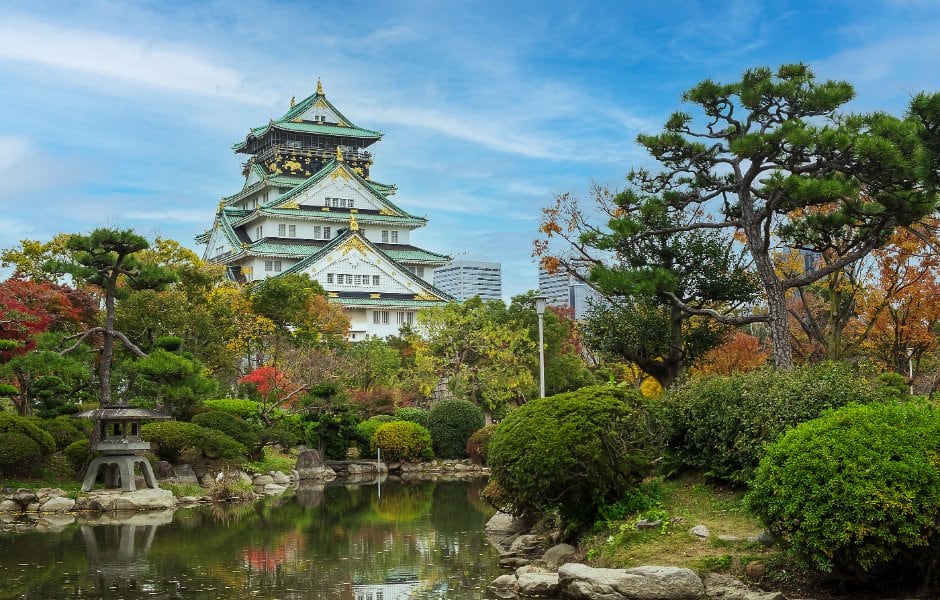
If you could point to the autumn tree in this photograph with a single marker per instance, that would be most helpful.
(760, 150)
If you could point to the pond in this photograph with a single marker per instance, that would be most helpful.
(416, 540)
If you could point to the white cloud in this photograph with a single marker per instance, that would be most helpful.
(150, 63)
(175, 215)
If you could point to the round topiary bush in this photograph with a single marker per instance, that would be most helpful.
(856, 493)
(574, 452)
(367, 428)
(24, 447)
(236, 428)
(478, 444)
(451, 423)
(720, 424)
(415, 415)
(402, 440)
(64, 430)
(76, 452)
(172, 437)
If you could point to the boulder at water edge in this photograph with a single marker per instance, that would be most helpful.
(581, 582)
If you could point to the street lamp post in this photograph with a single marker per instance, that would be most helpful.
(910, 367)
(540, 311)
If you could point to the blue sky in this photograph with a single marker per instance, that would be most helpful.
(123, 114)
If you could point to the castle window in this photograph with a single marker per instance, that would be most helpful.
(316, 232)
(282, 230)
(394, 237)
(329, 278)
(326, 233)
(277, 266)
(385, 236)
(349, 203)
(258, 232)
(291, 231)
(375, 280)
(269, 265)
(380, 317)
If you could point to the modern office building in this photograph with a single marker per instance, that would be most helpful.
(463, 278)
(570, 290)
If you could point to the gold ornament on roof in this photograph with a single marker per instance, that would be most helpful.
(293, 100)
(290, 204)
(353, 224)
(247, 270)
(319, 87)
(375, 296)
(221, 205)
(425, 296)
(355, 243)
(339, 155)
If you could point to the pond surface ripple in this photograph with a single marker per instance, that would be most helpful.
(412, 540)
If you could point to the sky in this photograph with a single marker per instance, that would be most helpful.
(122, 114)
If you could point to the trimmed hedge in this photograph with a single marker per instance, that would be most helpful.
(64, 430)
(451, 423)
(367, 428)
(236, 428)
(402, 440)
(76, 452)
(245, 409)
(574, 453)
(415, 415)
(856, 493)
(720, 424)
(172, 437)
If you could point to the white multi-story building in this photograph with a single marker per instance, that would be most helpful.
(308, 206)
(465, 278)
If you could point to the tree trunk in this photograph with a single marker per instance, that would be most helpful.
(779, 326)
(107, 350)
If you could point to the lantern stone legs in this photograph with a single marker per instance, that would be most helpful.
(119, 472)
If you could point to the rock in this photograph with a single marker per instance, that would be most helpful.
(700, 531)
(185, 474)
(280, 478)
(32, 507)
(513, 562)
(207, 480)
(647, 524)
(356, 469)
(148, 499)
(272, 489)
(729, 538)
(88, 504)
(9, 506)
(766, 538)
(504, 586)
(527, 544)
(538, 584)
(46, 493)
(581, 582)
(24, 497)
(163, 470)
(559, 555)
(726, 587)
(529, 569)
(309, 459)
(262, 480)
(57, 504)
(189, 500)
(755, 570)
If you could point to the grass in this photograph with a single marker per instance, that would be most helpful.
(684, 503)
(71, 488)
(272, 461)
(185, 489)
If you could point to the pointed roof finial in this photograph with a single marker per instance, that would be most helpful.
(353, 224)
(339, 155)
(319, 87)
(293, 101)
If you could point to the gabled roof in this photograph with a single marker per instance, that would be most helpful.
(292, 121)
(301, 248)
(328, 169)
(354, 237)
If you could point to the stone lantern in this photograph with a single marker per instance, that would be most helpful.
(120, 446)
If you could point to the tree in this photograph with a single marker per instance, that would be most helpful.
(643, 277)
(106, 258)
(772, 146)
(298, 307)
(472, 347)
(33, 258)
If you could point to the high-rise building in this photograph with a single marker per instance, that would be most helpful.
(464, 279)
(571, 290)
(309, 206)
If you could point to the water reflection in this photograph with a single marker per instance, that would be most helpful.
(418, 540)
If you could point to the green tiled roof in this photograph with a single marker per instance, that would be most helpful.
(341, 217)
(416, 255)
(295, 249)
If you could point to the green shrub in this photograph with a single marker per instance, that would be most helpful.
(720, 424)
(333, 432)
(574, 452)
(172, 437)
(236, 428)
(478, 444)
(451, 423)
(7, 390)
(402, 440)
(20, 454)
(245, 409)
(856, 493)
(415, 415)
(64, 430)
(76, 452)
(366, 428)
